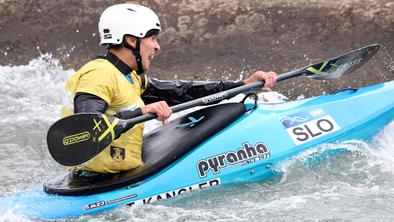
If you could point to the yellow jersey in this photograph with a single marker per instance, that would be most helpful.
(101, 78)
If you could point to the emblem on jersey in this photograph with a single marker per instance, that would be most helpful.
(117, 153)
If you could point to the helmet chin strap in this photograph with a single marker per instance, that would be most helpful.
(138, 59)
(136, 53)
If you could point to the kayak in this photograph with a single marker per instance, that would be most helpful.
(219, 145)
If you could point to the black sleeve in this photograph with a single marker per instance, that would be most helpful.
(89, 103)
(179, 91)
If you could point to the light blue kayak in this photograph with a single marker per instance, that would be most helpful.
(244, 150)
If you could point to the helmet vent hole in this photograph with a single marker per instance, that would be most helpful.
(157, 24)
(118, 40)
(141, 33)
(106, 30)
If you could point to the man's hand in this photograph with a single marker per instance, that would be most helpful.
(269, 78)
(161, 109)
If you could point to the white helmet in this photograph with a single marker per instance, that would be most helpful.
(131, 19)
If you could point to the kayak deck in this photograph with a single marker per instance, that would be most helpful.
(160, 148)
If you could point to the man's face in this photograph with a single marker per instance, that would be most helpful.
(149, 48)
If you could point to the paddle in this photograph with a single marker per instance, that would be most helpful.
(77, 138)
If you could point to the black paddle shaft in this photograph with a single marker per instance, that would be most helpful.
(199, 102)
(329, 69)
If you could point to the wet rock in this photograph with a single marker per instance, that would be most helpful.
(214, 39)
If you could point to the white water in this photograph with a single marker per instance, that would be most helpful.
(357, 186)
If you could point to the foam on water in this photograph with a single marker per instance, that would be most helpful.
(32, 91)
(355, 185)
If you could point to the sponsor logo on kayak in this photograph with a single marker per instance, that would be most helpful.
(244, 155)
(306, 126)
(76, 138)
(192, 123)
(299, 118)
(175, 193)
(214, 97)
(104, 203)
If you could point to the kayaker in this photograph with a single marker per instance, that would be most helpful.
(115, 84)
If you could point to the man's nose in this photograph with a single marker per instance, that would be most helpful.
(157, 47)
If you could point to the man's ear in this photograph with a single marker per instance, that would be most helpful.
(131, 40)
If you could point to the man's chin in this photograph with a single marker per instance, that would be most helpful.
(146, 67)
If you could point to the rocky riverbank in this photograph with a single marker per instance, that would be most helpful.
(214, 39)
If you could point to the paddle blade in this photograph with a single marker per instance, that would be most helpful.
(336, 67)
(76, 139)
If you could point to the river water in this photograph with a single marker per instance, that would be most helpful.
(357, 186)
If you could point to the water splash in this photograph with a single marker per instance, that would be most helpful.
(354, 159)
(32, 91)
(30, 96)
(10, 216)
